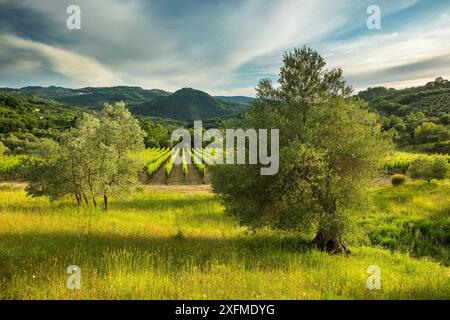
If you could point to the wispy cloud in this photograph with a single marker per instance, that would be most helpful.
(84, 70)
(223, 47)
(408, 55)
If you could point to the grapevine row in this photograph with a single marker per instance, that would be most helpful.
(169, 165)
(157, 159)
(198, 164)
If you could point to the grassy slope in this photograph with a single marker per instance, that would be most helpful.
(414, 218)
(132, 251)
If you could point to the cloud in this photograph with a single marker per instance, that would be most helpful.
(412, 53)
(84, 69)
(222, 46)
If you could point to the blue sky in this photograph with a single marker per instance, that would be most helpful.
(220, 46)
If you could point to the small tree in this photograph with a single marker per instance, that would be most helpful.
(92, 160)
(119, 135)
(330, 149)
(429, 168)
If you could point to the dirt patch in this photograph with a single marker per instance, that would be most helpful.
(386, 180)
(183, 188)
(13, 185)
(193, 176)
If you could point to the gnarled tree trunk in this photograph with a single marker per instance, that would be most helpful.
(332, 244)
(329, 238)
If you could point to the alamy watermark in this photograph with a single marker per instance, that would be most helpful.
(374, 280)
(74, 280)
(374, 20)
(232, 148)
(73, 22)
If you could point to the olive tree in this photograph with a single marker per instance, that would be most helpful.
(92, 160)
(330, 149)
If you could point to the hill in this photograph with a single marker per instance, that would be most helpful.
(236, 99)
(419, 116)
(184, 105)
(188, 104)
(21, 114)
(91, 97)
(432, 99)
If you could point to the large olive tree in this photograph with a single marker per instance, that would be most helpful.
(330, 149)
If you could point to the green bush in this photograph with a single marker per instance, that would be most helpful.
(398, 179)
(428, 168)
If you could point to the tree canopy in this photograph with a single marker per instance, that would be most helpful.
(330, 148)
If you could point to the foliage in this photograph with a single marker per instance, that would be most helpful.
(169, 165)
(398, 179)
(157, 160)
(157, 134)
(198, 163)
(418, 115)
(400, 162)
(428, 168)
(29, 119)
(93, 159)
(3, 149)
(431, 132)
(330, 149)
(11, 166)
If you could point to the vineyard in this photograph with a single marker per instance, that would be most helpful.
(10, 166)
(174, 165)
(164, 162)
(400, 162)
(154, 162)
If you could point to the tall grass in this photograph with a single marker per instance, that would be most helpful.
(132, 251)
(413, 217)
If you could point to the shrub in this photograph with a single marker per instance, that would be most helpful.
(398, 179)
(430, 132)
(428, 168)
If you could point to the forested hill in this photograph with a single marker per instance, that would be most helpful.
(188, 104)
(184, 105)
(432, 99)
(91, 97)
(420, 116)
(30, 124)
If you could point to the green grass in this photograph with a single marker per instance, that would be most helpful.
(413, 217)
(167, 245)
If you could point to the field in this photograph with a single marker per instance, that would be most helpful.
(177, 243)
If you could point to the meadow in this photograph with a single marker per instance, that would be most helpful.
(171, 244)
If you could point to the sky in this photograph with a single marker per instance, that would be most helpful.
(223, 47)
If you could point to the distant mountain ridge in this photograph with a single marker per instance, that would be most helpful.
(186, 104)
(91, 97)
(236, 99)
